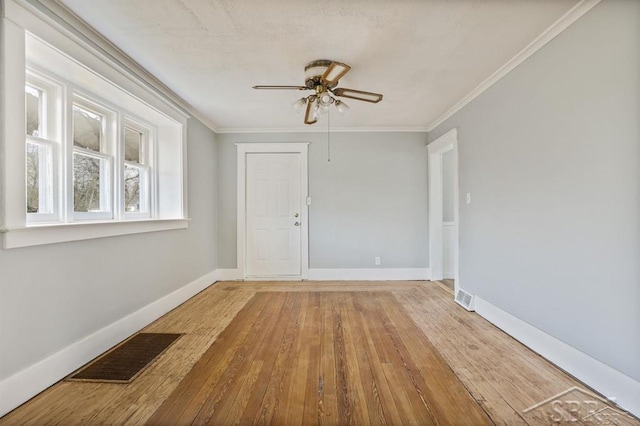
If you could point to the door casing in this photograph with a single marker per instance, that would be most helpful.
(445, 143)
(243, 149)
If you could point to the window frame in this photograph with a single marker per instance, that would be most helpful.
(146, 164)
(50, 140)
(32, 37)
(60, 97)
(105, 154)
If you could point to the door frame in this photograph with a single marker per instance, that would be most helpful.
(243, 149)
(445, 143)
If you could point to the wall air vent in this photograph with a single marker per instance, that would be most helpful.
(465, 300)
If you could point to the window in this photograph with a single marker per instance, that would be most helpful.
(98, 165)
(92, 160)
(137, 153)
(88, 146)
(40, 149)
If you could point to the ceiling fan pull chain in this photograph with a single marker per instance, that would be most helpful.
(328, 136)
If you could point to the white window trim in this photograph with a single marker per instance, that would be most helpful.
(51, 234)
(19, 17)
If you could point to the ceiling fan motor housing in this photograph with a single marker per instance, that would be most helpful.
(314, 71)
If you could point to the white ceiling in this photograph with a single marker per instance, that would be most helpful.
(423, 55)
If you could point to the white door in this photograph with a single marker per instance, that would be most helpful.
(273, 214)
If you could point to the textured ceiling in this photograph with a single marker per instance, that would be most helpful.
(423, 55)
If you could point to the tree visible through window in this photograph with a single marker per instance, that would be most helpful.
(33, 107)
(86, 183)
(105, 152)
(135, 172)
(33, 178)
(38, 149)
(131, 189)
(108, 174)
(89, 169)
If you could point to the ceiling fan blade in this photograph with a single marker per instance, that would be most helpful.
(334, 72)
(358, 95)
(309, 117)
(282, 87)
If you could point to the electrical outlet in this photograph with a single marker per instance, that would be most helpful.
(376, 260)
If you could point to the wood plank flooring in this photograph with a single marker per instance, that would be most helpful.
(322, 356)
(318, 353)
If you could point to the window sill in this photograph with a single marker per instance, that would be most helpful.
(37, 235)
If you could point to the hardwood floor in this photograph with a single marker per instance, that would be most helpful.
(318, 353)
(320, 357)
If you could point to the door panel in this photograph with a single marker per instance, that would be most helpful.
(273, 199)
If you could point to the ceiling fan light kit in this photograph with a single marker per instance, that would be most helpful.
(299, 104)
(323, 76)
(342, 107)
(325, 100)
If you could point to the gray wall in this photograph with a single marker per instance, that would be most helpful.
(54, 295)
(370, 200)
(551, 155)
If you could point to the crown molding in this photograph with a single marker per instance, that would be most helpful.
(314, 129)
(56, 12)
(74, 25)
(549, 34)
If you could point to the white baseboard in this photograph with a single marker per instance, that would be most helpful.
(382, 274)
(601, 377)
(228, 274)
(376, 274)
(24, 385)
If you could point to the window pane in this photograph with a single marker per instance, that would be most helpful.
(87, 129)
(39, 178)
(33, 100)
(33, 178)
(86, 183)
(132, 145)
(131, 189)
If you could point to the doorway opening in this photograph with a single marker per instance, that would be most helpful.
(443, 210)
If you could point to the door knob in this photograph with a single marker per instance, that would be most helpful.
(298, 223)
(296, 215)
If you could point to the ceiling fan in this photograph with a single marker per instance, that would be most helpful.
(322, 77)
